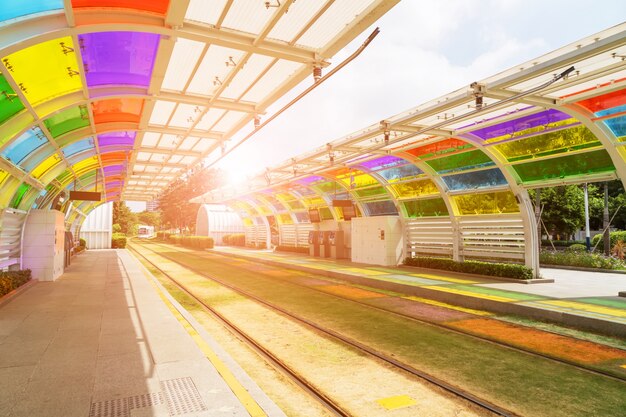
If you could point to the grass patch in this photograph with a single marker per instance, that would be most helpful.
(526, 384)
(581, 259)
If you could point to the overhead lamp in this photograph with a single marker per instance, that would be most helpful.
(217, 81)
(317, 73)
(257, 121)
(384, 125)
(479, 92)
(230, 62)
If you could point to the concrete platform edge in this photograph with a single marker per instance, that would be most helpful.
(567, 319)
(242, 376)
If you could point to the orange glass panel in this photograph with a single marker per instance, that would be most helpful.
(155, 6)
(605, 101)
(444, 147)
(117, 110)
(113, 157)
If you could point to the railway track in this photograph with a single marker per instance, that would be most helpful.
(213, 256)
(324, 399)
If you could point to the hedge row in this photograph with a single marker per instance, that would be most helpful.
(195, 242)
(583, 259)
(118, 241)
(296, 249)
(10, 280)
(163, 235)
(615, 236)
(236, 239)
(473, 267)
(561, 243)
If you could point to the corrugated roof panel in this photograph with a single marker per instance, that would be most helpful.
(248, 16)
(205, 11)
(300, 13)
(210, 118)
(229, 120)
(277, 75)
(161, 112)
(185, 115)
(255, 66)
(213, 70)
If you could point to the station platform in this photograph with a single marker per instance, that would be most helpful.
(106, 340)
(582, 299)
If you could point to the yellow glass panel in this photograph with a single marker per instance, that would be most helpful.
(487, 203)
(85, 165)
(314, 201)
(415, 189)
(285, 219)
(3, 176)
(9, 186)
(359, 181)
(248, 222)
(46, 70)
(45, 166)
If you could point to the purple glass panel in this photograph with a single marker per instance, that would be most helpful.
(311, 180)
(114, 184)
(118, 58)
(384, 162)
(113, 169)
(526, 122)
(117, 139)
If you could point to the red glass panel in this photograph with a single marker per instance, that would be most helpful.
(155, 6)
(118, 110)
(605, 101)
(440, 148)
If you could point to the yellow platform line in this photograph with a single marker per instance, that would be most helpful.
(471, 294)
(449, 306)
(591, 308)
(253, 408)
(442, 278)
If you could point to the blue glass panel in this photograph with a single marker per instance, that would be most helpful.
(400, 173)
(13, 9)
(614, 110)
(27, 143)
(81, 156)
(474, 180)
(381, 208)
(77, 147)
(35, 158)
(617, 125)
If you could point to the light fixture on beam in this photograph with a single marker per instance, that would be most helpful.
(230, 62)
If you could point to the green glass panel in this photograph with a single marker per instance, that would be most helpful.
(425, 208)
(461, 161)
(29, 199)
(19, 195)
(566, 166)
(415, 189)
(325, 213)
(551, 143)
(10, 103)
(488, 203)
(369, 192)
(295, 205)
(67, 120)
(329, 187)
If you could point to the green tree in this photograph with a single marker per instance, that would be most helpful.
(126, 219)
(150, 218)
(176, 210)
(563, 210)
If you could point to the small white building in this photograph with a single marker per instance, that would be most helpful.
(97, 228)
(216, 220)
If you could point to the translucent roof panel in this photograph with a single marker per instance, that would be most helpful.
(117, 110)
(560, 141)
(604, 102)
(213, 69)
(46, 165)
(272, 79)
(383, 162)
(444, 147)
(13, 9)
(154, 6)
(288, 29)
(522, 126)
(247, 16)
(475, 180)
(415, 189)
(162, 112)
(567, 166)
(10, 103)
(119, 58)
(432, 207)
(461, 161)
(78, 147)
(205, 11)
(617, 126)
(45, 70)
(67, 121)
(381, 208)
(118, 140)
(182, 63)
(27, 143)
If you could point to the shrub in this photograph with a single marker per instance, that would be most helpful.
(561, 243)
(576, 248)
(296, 249)
(11, 280)
(615, 236)
(195, 242)
(582, 259)
(118, 241)
(236, 239)
(163, 235)
(175, 239)
(82, 243)
(473, 267)
(117, 228)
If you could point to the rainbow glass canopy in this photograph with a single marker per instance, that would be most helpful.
(123, 97)
(457, 169)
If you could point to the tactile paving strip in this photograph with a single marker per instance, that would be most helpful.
(181, 396)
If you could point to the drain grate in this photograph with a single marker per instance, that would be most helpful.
(182, 396)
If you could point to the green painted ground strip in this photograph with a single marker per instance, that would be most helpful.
(500, 293)
(606, 302)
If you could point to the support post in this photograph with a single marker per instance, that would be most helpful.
(605, 221)
(538, 215)
(587, 234)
